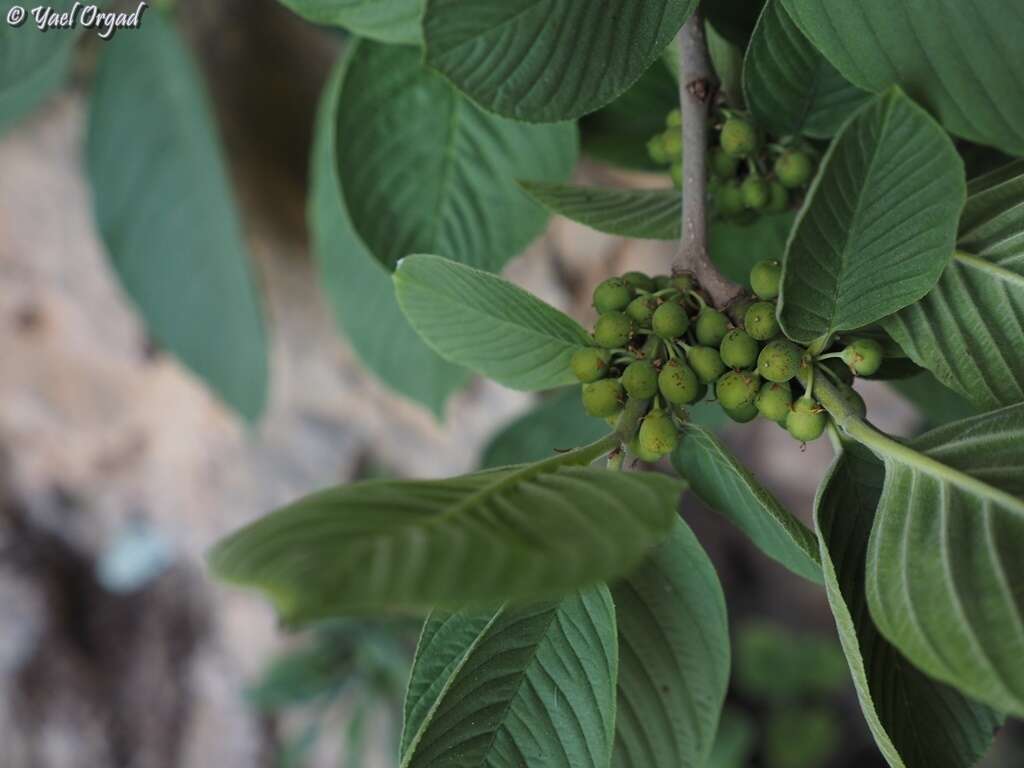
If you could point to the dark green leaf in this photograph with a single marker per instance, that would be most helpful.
(519, 686)
(536, 531)
(638, 213)
(969, 331)
(735, 19)
(480, 321)
(673, 657)
(359, 289)
(423, 170)
(164, 207)
(727, 61)
(737, 246)
(726, 486)
(879, 223)
(960, 58)
(390, 21)
(916, 721)
(790, 87)
(548, 60)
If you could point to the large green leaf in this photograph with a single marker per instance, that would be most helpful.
(673, 657)
(790, 87)
(32, 64)
(534, 531)
(519, 686)
(944, 567)
(879, 223)
(637, 213)
(164, 207)
(916, 721)
(424, 170)
(969, 331)
(359, 289)
(548, 60)
(730, 489)
(390, 21)
(485, 323)
(736, 246)
(960, 58)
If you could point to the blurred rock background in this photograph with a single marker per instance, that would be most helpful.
(118, 470)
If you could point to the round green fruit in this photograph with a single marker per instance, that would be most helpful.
(737, 388)
(658, 434)
(706, 363)
(613, 330)
(729, 199)
(638, 281)
(638, 450)
(590, 364)
(675, 171)
(661, 282)
(779, 361)
(641, 310)
(864, 356)
(711, 327)
(656, 150)
(742, 414)
(806, 420)
(603, 398)
(738, 138)
(613, 295)
(683, 282)
(766, 278)
(674, 119)
(739, 350)
(774, 400)
(793, 169)
(672, 140)
(678, 383)
(760, 321)
(670, 321)
(723, 166)
(755, 193)
(640, 379)
(778, 198)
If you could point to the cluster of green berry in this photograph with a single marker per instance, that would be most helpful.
(659, 341)
(666, 148)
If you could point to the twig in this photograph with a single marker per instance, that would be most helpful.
(697, 88)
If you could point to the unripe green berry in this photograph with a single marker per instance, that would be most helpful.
(774, 400)
(765, 278)
(738, 137)
(656, 150)
(613, 330)
(778, 198)
(729, 199)
(742, 413)
(711, 327)
(755, 192)
(670, 321)
(638, 281)
(603, 398)
(723, 166)
(779, 361)
(613, 295)
(864, 356)
(806, 420)
(590, 364)
(661, 282)
(793, 169)
(678, 383)
(638, 450)
(675, 171)
(706, 363)
(658, 434)
(760, 321)
(739, 350)
(672, 140)
(640, 379)
(737, 388)
(641, 310)
(683, 282)
(674, 119)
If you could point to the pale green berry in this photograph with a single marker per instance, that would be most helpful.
(766, 278)
(806, 420)
(711, 327)
(755, 193)
(603, 398)
(774, 401)
(737, 388)
(613, 295)
(706, 363)
(670, 321)
(779, 361)
(658, 435)
(794, 169)
(760, 321)
(739, 350)
(590, 364)
(640, 379)
(864, 356)
(678, 383)
(738, 137)
(613, 330)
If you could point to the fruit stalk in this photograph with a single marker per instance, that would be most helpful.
(697, 86)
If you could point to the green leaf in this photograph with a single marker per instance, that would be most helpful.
(969, 331)
(790, 87)
(957, 57)
(734, 19)
(916, 721)
(32, 64)
(727, 487)
(359, 289)
(943, 566)
(548, 60)
(485, 323)
(673, 657)
(423, 170)
(390, 21)
(879, 223)
(636, 213)
(727, 61)
(734, 742)
(737, 246)
(532, 532)
(165, 210)
(520, 686)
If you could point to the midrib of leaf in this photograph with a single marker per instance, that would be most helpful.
(992, 269)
